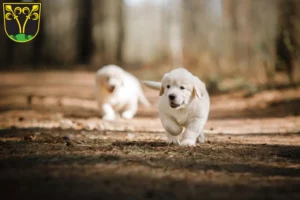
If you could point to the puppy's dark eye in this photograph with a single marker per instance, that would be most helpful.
(168, 86)
(182, 88)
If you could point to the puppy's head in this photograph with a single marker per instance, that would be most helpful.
(180, 87)
(111, 78)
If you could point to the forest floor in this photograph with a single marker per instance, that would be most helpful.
(54, 145)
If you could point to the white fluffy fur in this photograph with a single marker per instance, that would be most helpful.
(117, 91)
(183, 118)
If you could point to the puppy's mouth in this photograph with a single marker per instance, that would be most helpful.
(174, 105)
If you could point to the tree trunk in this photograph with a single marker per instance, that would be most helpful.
(5, 48)
(107, 31)
(288, 39)
(85, 43)
(60, 18)
(230, 25)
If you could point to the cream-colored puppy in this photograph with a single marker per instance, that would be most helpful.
(117, 91)
(183, 106)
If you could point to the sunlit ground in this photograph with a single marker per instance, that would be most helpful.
(54, 145)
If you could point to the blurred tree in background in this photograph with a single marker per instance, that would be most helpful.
(244, 41)
(288, 38)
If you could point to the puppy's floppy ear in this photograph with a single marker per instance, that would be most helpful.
(99, 80)
(161, 91)
(199, 88)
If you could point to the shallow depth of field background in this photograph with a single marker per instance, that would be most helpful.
(54, 145)
(228, 43)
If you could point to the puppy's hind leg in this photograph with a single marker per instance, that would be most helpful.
(130, 110)
(201, 137)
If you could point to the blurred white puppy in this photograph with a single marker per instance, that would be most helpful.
(183, 106)
(118, 91)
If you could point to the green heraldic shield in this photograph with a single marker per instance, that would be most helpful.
(22, 20)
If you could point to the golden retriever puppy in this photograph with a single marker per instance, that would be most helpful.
(117, 91)
(183, 106)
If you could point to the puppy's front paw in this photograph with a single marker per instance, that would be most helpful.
(173, 141)
(188, 142)
(109, 117)
(127, 115)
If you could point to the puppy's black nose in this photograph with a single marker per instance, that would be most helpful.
(111, 88)
(172, 96)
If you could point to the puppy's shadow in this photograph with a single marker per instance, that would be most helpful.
(83, 114)
(140, 144)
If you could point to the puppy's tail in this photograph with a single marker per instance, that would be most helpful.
(153, 84)
(143, 100)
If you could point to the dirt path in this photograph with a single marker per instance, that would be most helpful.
(53, 145)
